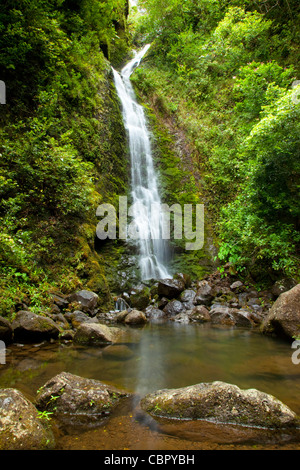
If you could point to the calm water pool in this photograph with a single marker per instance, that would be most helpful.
(166, 355)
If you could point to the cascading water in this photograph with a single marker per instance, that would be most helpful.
(147, 218)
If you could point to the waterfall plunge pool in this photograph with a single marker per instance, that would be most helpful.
(164, 355)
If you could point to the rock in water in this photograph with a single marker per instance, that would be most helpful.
(20, 425)
(220, 402)
(77, 400)
(283, 318)
(135, 317)
(173, 308)
(96, 334)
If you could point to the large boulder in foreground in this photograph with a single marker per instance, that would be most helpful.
(283, 318)
(77, 400)
(29, 327)
(96, 334)
(220, 402)
(20, 425)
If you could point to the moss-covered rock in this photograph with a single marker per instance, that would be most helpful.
(96, 334)
(220, 402)
(21, 427)
(28, 326)
(77, 400)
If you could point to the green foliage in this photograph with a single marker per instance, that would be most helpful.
(261, 224)
(222, 71)
(62, 142)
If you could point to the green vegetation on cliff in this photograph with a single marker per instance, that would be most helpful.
(62, 144)
(223, 71)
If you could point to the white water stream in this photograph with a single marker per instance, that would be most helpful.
(147, 218)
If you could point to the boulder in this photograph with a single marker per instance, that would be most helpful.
(76, 400)
(186, 278)
(120, 317)
(139, 297)
(96, 334)
(135, 317)
(60, 301)
(170, 288)
(220, 402)
(243, 317)
(182, 317)
(153, 313)
(30, 327)
(162, 303)
(199, 314)
(222, 315)
(173, 308)
(77, 317)
(187, 296)
(283, 318)
(21, 428)
(87, 299)
(204, 294)
(6, 331)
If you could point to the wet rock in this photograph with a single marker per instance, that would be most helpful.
(242, 317)
(20, 425)
(88, 300)
(153, 313)
(204, 294)
(187, 296)
(162, 303)
(170, 288)
(135, 317)
(222, 315)
(283, 318)
(173, 308)
(182, 317)
(96, 334)
(200, 314)
(77, 317)
(30, 327)
(186, 278)
(6, 331)
(77, 400)
(120, 317)
(67, 335)
(220, 402)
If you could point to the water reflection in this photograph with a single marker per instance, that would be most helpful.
(164, 355)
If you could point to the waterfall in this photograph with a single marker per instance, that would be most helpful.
(147, 218)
